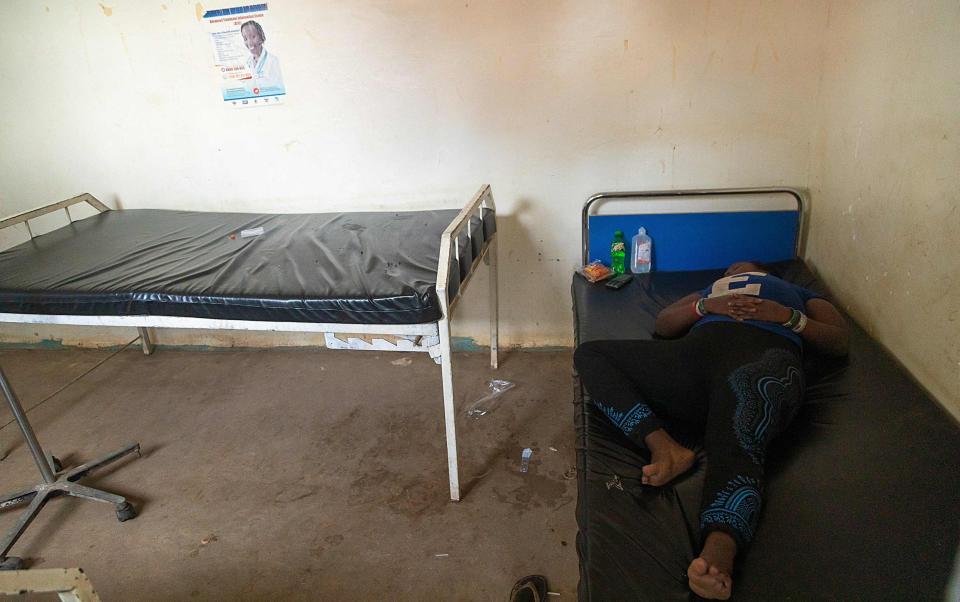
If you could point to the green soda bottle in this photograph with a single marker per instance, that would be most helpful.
(618, 253)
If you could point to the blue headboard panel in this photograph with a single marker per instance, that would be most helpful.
(700, 241)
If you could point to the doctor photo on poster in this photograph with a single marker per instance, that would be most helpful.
(263, 66)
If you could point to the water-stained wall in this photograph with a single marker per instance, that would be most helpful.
(885, 227)
(407, 104)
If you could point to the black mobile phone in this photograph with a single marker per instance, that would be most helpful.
(619, 281)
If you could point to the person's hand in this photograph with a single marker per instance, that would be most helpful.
(746, 307)
(719, 305)
(742, 307)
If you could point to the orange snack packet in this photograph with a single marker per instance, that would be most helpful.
(595, 271)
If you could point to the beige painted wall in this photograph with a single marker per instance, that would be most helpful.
(885, 227)
(401, 104)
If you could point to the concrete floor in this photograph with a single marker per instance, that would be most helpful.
(299, 474)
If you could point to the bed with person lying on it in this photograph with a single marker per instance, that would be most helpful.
(846, 483)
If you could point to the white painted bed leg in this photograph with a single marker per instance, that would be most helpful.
(449, 413)
(494, 318)
(145, 343)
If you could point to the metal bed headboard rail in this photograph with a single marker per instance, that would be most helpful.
(647, 194)
(26, 216)
(448, 250)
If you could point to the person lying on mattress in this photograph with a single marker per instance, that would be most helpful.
(734, 379)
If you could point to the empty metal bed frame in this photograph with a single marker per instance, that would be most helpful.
(430, 337)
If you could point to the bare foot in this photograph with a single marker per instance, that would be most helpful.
(710, 574)
(668, 459)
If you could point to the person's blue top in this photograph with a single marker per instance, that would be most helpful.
(765, 286)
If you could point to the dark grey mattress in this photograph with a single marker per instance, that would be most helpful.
(358, 268)
(861, 498)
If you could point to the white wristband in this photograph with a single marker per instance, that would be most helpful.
(801, 323)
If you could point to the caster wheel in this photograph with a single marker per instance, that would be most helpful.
(125, 512)
(11, 563)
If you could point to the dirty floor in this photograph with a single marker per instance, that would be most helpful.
(298, 474)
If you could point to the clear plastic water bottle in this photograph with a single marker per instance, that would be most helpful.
(618, 253)
(641, 252)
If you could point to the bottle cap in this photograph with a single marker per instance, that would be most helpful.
(618, 233)
(643, 230)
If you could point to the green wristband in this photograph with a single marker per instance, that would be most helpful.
(794, 319)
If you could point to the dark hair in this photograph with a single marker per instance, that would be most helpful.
(769, 268)
(255, 25)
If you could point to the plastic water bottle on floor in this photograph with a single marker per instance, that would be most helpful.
(525, 459)
(641, 252)
(618, 253)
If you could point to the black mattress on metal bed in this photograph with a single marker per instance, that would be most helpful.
(363, 268)
(861, 497)
(389, 278)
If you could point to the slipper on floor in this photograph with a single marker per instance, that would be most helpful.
(532, 588)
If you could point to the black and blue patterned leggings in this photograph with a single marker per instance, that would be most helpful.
(735, 386)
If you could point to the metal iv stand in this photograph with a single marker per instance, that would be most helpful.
(55, 482)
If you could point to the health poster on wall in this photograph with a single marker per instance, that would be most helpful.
(249, 70)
